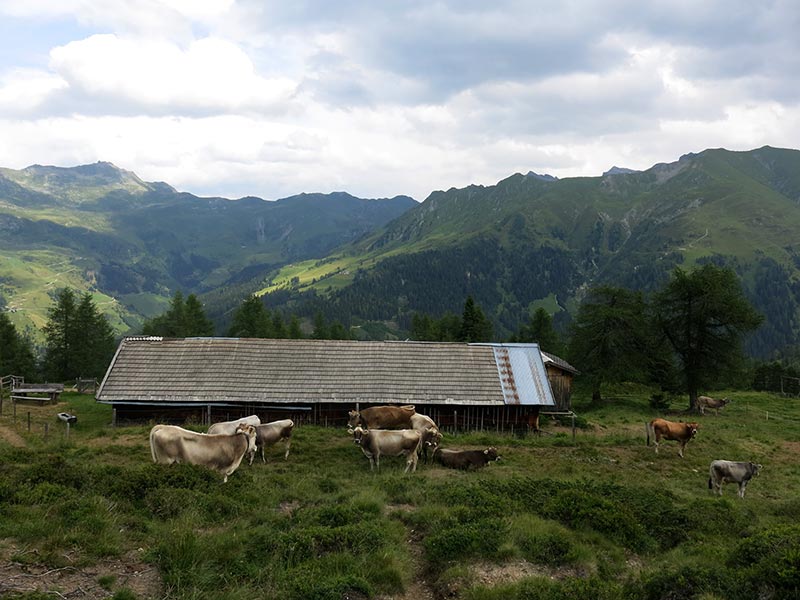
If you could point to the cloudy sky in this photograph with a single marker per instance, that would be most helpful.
(379, 98)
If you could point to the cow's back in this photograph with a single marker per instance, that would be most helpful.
(229, 427)
(387, 417)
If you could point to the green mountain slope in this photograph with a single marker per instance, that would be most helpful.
(525, 241)
(133, 243)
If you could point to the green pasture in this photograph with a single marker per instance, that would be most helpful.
(600, 516)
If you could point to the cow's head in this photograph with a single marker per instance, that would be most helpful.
(491, 453)
(691, 428)
(358, 434)
(354, 418)
(756, 468)
(250, 432)
(431, 438)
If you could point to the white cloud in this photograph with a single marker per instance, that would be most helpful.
(24, 90)
(210, 74)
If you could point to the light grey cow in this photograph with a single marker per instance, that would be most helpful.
(272, 433)
(377, 442)
(704, 402)
(728, 471)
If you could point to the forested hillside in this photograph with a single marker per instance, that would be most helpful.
(530, 241)
(133, 244)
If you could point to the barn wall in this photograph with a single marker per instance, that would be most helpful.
(561, 385)
(448, 417)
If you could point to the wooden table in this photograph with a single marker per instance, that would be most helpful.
(41, 392)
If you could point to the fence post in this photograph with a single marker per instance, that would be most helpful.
(29, 421)
(113, 417)
(67, 429)
(46, 428)
(573, 427)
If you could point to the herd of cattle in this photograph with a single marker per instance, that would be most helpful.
(393, 431)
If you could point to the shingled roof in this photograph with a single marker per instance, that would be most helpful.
(242, 370)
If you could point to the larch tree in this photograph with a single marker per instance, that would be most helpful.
(704, 316)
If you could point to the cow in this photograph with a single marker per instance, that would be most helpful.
(272, 433)
(465, 459)
(679, 432)
(431, 436)
(230, 426)
(704, 402)
(375, 443)
(382, 417)
(220, 452)
(728, 471)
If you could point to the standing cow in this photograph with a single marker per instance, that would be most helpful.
(679, 432)
(431, 436)
(221, 452)
(376, 442)
(272, 433)
(382, 417)
(704, 402)
(728, 471)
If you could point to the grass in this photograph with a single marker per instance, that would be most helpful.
(602, 516)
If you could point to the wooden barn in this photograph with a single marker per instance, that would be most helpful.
(461, 386)
(560, 375)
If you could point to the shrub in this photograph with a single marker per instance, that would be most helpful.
(771, 560)
(457, 540)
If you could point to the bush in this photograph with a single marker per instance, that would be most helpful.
(457, 540)
(771, 560)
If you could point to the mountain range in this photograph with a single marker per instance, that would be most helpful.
(528, 241)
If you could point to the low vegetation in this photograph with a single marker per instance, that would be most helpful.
(602, 516)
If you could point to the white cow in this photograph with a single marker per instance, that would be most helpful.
(376, 442)
(431, 436)
(728, 471)
(271, 433)
(220, 452)
(230, 426)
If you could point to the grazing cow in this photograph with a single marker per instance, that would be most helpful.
(376, 442)
(382, 417)
(466, 459)
(704, 402)
(220, 452)
(272, 433)
(728, 471)
(679, 432)
(230, 426)
(431, 436)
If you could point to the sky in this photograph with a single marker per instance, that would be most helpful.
(380, 98)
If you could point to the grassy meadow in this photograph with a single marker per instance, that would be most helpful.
(599, 517)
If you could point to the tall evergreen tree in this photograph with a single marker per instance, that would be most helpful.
(541, 331)
(16, 352)
(295, 333)
(182, 319)
(58, 363)
(320, 331)
(79, 340)
(704, 316)
(278, 328)
(610, 337)
(251, 320)
(475, 327)
(196, 323)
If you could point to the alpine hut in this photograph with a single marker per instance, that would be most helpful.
(461, 386)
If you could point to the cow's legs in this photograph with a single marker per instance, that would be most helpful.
(411, 462)
(742, 488)
(680, 452)
(656, 440)
(288, 445)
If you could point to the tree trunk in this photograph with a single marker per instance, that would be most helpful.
(693, 401)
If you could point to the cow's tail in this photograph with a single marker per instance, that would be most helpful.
(648, 428)
(710, 486)
(152, 444)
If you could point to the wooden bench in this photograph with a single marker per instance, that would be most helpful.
(41, 393)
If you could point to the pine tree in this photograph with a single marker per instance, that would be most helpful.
(16, 352)
(59, 331)
(196, 323)
(251, 320)
(475, 327)
(540, 330)
(295, 333)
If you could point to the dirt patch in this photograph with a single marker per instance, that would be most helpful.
(491, 575)
(11, 437)
(418, 587)
(128, 571)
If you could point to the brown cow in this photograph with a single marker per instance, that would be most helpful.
(382, 417)
(704, 402)
(220, 452)
(377, 442)
(679, 432)
(465, 459)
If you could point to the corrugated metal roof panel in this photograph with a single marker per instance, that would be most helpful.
(522, 375)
